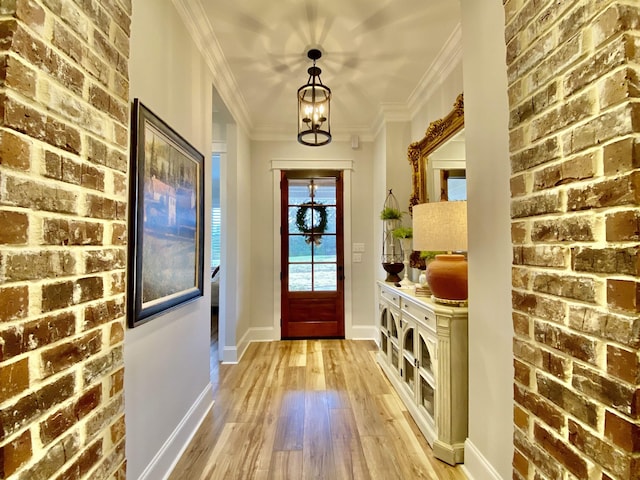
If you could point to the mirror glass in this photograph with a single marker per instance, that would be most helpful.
(446, 170)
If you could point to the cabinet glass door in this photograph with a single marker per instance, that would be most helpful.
(393, 320)
(384, 329)
(426, 396)
(384, 344)
(408, 345)
(395, 357)
(424, 355)
(408, 356)
(383, 317)
(409, 373)
(426, 368)
(394, 323)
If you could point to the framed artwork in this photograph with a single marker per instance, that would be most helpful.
(166, 236)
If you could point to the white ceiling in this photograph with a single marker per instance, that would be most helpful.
(377, 56)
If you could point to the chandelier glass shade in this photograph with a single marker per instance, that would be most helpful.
(314, 107)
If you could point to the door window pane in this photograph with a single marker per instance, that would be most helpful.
(326, 251)
(293, 229)
(325, 190)
(299, 249)
(298, 191)
(325, 277)
(331, 219)
(300, 277)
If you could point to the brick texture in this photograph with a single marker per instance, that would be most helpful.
(64, 114)
(575, 186)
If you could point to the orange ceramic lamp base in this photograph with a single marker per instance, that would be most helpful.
(447, 278)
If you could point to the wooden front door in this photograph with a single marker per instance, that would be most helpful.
(312, 283)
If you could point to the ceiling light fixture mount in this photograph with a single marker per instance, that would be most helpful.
(314, 107)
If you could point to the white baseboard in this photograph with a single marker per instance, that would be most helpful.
(364, 332)
(165, 460)
(476, 466)
(258, 334)
(230, 355)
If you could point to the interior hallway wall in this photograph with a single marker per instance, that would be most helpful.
(488, 451)
(167, 387)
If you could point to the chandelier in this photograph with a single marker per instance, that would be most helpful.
(314, 122)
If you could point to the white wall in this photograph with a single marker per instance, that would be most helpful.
(398, 168)
(489, 449)
(263, 275)
(438, 102)
(167, 388)
(392, 171)
(380, 192)
(238, 237)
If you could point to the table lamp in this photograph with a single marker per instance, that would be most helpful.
(442, 226)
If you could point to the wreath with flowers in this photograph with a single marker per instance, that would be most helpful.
(312, 232)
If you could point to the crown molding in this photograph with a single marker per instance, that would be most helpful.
(389, 113)
(195, 19)
(449, 57)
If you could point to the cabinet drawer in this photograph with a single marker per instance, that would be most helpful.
(423, 315)
(390, 296)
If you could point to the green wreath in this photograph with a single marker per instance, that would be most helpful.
(312, 233)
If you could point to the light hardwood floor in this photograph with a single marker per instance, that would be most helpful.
(309, 409)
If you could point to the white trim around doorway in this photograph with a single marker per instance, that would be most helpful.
(346, 166)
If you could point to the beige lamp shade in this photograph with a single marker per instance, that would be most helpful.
(440, 226)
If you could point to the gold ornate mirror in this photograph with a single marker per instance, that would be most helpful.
(438, 132)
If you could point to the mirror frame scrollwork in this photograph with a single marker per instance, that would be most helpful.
(437, 133)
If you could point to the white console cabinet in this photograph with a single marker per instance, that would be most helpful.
(423, 352)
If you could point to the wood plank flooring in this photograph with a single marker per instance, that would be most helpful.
(308, 409)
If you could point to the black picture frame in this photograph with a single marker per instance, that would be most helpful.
(166, 218)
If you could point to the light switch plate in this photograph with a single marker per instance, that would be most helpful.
(357, 258)
(358, 247)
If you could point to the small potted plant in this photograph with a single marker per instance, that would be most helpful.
(403, 232)
(427, 256)
(389, 213)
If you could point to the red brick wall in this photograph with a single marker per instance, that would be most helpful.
(573, 71)
(63, 202)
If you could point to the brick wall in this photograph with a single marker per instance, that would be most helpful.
(573, 70)
(63, 201)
